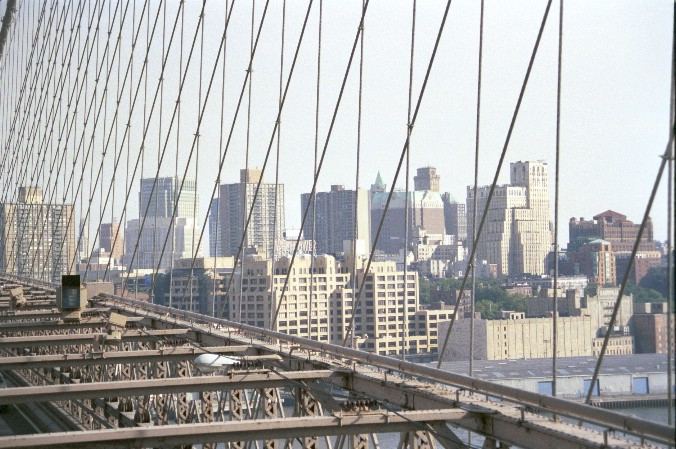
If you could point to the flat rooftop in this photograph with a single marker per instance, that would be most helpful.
(567, 366)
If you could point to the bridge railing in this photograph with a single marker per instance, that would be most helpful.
(606, 419)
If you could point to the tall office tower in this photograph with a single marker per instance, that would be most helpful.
(426, 179)
(37, 240)
(164, 195)
(517, 236)
(455, 217)
(235, 201)
(215, 238)
(152, 252)
(335, 218)
(83, 247)
(107, 235)
(426, 213)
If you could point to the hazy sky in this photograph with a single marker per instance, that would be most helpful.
(615, 97)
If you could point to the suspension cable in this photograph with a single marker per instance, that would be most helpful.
(555, 306)
(625, 278)
(227, 145)
(353, 280)
(408, 197)
(146, 128)
(477, 135)
(164, 148)
(321, 160)
(399, 164)
(495, 177)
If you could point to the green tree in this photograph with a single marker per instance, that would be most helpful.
(656, 279)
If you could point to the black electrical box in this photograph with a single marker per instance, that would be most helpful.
(70, 292)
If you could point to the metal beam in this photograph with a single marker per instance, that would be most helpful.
(245, 430)
(85, 323)
(44, 314)
(166, 386)
(171, 354)
(605, 418)
(81, 339)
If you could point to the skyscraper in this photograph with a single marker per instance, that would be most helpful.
(152, 252)
(336, 214)
(426, 178)
(235, 201)
(517, 236)
(37, 240)
(425, 209)
(455, 217)
(107, 235)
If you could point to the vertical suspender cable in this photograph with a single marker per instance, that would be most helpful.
(216, 247)
(194, 250)
(275, 224)
(245, 195)
(409, 199)
(472, 262)
(178, 146)
(670, 247)
(313, 195)
(555, 305)
(356, 176)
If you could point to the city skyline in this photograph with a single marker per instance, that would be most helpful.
(629, 119)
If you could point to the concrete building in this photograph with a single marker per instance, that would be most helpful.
(149, 255)
(109, 233)
(37, 240)
(596, 260)
(650, 332)
(455, 217)
(517, 337)
(517, 235)
(180, 233)
(200, 294)
(613, 227)
(425, 209)
(161, 199)
(321, 308)
(624, 378)
(215, 240)
(337, 211)
(426, 178)
(267, 220)
(582, 324)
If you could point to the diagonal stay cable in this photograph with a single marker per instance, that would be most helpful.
(33, 129)
(158, 89)
(71, 124)
(625, 278)
(76, 192)
(495, 178)
(46, 138)
(164, 147)
(67, 139)
(321, 159)
(105, 60)
(402, 156)
(197, 135)
(230, 133)
(126, 132)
